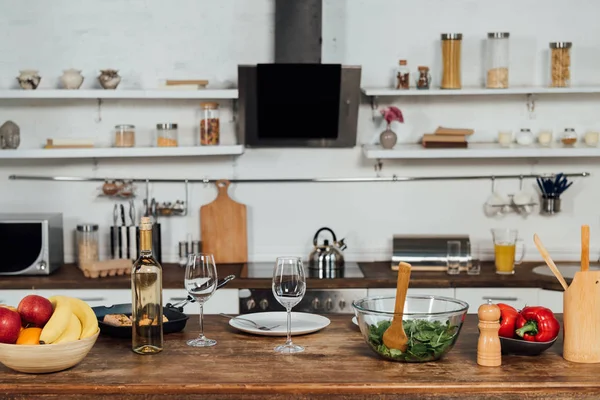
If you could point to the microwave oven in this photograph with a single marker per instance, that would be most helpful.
(31, 244)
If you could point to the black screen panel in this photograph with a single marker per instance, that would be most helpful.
(20, 245)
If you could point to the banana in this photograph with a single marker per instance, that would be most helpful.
(58, 321)
(72, 332)
(89, 322)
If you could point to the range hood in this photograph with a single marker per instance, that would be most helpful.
(298, 101)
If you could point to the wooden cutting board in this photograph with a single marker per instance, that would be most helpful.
(223, 227)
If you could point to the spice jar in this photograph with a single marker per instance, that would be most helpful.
(545, 138)
(525, 137)
(451, 49)
(87, 244)
(505, 138)
(560, 64)
(124, 136)
(402, 76)
(569, 137)
(209, 124)
(166, 135)
(591, 138)
(424, 78)
(497, 60)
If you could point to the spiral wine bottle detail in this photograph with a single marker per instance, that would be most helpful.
(146, 302)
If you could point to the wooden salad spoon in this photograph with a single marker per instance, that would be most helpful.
(395, 337)
(549, 262)
(585, 247)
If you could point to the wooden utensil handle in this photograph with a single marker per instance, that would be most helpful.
(222, 186)
(402, 288)
(549, 262)
(585, 247)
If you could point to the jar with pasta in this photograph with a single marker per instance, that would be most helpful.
(87, 244)
(451, 55)
(209, 124)
(497, 60)
(166, 135)
(560, 64)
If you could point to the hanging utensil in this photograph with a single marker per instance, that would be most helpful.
(585, 247)
(395, 337)
(132, 215)
(549, 262)
(114, 233)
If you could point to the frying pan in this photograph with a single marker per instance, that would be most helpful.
(174, 313)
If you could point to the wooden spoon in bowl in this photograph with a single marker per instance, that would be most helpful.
(395, 337)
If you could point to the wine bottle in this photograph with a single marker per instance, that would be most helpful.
(146, 290)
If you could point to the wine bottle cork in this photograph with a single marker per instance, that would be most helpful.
(488, 347)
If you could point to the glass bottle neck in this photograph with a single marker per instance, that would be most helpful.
(146, 242)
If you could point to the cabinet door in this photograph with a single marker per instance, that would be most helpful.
(222, 301)
(552, 299)
(94, 297)
(444, 292)
(13, 297)
(516, 297)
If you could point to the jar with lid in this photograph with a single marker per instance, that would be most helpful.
(424, 78)
(209, 124)
(166, 135)
(560, 64)
(451, 56)
(402, 76)
(525, 137)
(124, 136)
(497, 60)
(569, 137)
(87, 244)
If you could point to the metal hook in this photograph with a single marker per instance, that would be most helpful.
(530, 103)
(493, 184)
(99, 118)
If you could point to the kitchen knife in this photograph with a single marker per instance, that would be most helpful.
(132, 237)
(124, 234)
(114, 233)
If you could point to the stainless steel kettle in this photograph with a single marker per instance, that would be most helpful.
(326, 257)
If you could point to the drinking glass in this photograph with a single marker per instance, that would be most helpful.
(289, 286)
(201, 283)
(453, 257)
(505, 244)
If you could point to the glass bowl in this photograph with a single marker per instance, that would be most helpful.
(431, 323)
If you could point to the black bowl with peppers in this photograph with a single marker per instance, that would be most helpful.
(530, 331)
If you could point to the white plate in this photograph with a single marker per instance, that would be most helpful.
(354, 320)
(302, 323)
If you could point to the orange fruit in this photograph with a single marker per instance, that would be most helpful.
(30, 336)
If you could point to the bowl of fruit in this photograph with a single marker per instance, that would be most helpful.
(528, 332)
(46, 335)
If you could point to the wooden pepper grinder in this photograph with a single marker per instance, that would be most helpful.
(488, 347)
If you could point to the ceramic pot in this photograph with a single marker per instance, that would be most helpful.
(29, 79)
(388, 139)
(109, 78)
(10, 135)
(71, 79)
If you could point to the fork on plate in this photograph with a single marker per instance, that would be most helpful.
(258, 326)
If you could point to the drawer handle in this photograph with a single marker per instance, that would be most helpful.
(501, 298)
(178, 298)
(92, 298)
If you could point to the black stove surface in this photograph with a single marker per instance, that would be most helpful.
(265, 270)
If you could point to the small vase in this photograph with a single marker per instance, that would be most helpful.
(71, 79)
(109, 78)
(29, 79)
(10, 135)
(388, 138)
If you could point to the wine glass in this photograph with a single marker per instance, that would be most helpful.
(289, 286)
(201, 283)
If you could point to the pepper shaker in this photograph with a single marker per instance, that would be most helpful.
(489, 353)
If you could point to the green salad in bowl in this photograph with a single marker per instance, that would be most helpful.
(431, 323)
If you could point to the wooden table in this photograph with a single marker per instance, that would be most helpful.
(336, 364)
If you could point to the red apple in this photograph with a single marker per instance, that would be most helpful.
(35, 310)
(10, 325)
(9, 307)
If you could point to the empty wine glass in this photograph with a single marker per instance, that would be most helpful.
(289, 286)
(201, 283)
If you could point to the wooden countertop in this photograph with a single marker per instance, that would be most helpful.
(377, 275)
(336, 362)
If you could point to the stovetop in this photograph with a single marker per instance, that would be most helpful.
(265, 270)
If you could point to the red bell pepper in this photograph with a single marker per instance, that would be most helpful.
(537, 324)
(508, 320)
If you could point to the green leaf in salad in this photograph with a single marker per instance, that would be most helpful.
(427, 340)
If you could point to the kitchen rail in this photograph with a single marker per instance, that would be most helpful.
(393, 178)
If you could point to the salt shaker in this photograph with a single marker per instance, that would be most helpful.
(489, 353)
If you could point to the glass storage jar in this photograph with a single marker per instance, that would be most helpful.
(166, 135)
(87, 244)
(209, 124)
(402, 76)
(497, 60)
(525, 137)
(568, 137)
(560, 64)
(424, 78)
(124, 136)
(451, 49)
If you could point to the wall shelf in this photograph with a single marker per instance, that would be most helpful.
(478, 91)
(113, 152)
(212, 94)
(477, 150)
